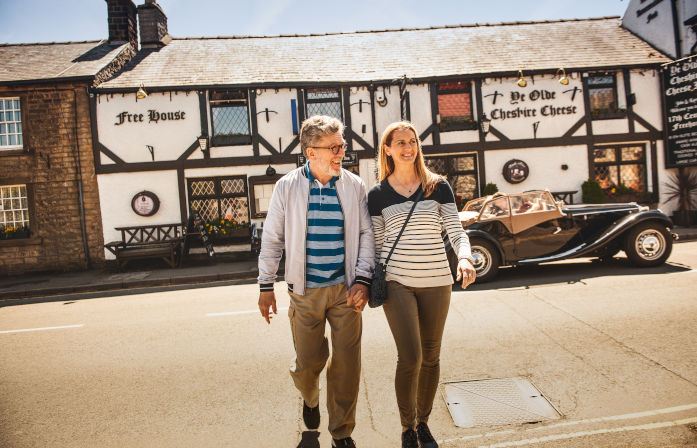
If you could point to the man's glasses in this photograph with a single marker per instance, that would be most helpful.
(336, 149)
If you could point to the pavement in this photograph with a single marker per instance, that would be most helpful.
(153, 275)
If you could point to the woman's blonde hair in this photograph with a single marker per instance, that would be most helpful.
(429, 179)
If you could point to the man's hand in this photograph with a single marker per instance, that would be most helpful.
(267, 299)
(357, 297)
(466, 272)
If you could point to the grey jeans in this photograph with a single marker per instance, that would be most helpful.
(416, 317)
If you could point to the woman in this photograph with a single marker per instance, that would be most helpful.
(419, 280)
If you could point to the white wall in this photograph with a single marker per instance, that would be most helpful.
(545, 169)
(117, 190)
(646, 86)
(129, 139)
(658, 31)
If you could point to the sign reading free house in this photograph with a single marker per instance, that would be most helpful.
(158, 128)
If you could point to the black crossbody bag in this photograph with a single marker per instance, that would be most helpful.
(378, 288)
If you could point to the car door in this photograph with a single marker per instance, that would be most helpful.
(539, 227)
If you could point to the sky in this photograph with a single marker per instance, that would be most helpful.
(78, 20)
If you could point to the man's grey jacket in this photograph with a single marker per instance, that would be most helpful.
(286, 229)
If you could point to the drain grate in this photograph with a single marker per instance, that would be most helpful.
(495, 402)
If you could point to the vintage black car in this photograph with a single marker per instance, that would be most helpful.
(532, 227)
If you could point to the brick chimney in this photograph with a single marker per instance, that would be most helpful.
(153, 25)
(123, 25)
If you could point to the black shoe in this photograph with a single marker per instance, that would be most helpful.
(310, 439)
(344, 443)
(426, 440)
(311, 417)
(409, 439)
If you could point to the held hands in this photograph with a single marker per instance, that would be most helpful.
(267, 299)
(357, 297)
(466, 272)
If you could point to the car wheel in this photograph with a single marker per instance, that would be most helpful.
(486, 260)
(648, 244)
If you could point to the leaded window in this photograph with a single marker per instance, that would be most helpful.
(461, 173)
(14, 211)
(230, 117)
(323, 102)
(455, 106)
(220, 198)
(602, 94)
(10, 124)
(620, 165)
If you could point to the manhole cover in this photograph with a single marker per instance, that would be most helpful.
(494, 402)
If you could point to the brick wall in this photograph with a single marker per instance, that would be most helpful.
(57, 134)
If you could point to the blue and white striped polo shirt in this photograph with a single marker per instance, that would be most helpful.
(325, 235)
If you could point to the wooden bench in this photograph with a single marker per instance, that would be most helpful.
(566, 196)
(141, 242)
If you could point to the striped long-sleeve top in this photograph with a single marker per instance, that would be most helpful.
(419, 260)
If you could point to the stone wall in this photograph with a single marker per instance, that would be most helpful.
(57, 134)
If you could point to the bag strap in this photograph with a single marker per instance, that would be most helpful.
(418, 198)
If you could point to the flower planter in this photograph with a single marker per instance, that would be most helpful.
(685, 219)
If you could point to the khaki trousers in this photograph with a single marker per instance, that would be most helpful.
(308, 314)
(416, 317)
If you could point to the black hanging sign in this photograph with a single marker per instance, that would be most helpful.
(196, 225)
(350, 159)
(680, 93)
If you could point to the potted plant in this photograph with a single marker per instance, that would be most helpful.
(622, 193)
(592, 193)
(13, 232)
(489, 189)
(223, 230)
(683, 187)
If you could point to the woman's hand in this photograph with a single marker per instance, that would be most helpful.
(466, 272)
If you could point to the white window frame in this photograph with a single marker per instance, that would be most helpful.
(5, 124)
(8, 199)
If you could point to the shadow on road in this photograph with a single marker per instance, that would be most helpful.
(569, 272)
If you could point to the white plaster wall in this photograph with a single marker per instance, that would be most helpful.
(168, 138)
(361, 116)
(280, 125)
(618, 126)
(117, 190)
(390, 112)
(368, 172)
(545, 169)
(659, 31)
(646, 86)
(420, 106)
(528, 98)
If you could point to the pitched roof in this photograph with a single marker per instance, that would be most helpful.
(391, 54)
(55, 61)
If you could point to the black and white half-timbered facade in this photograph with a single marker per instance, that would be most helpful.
(523, 105)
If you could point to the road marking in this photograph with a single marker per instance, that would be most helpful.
(41, 329)
(574, 435)
(234, 313)
(634, 415)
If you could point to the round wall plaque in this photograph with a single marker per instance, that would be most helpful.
(145, 203)
(515, 171)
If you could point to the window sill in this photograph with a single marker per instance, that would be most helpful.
(609, 116)
(231, 140)
(13, 152)
(31, 241)
(452, 127)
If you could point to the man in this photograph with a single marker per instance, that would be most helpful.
(318, 215)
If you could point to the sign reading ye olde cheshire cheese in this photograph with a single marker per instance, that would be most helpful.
(680, 92)
(530, 104)
(153, 116)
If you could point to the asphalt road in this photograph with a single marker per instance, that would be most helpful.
(610, 346)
